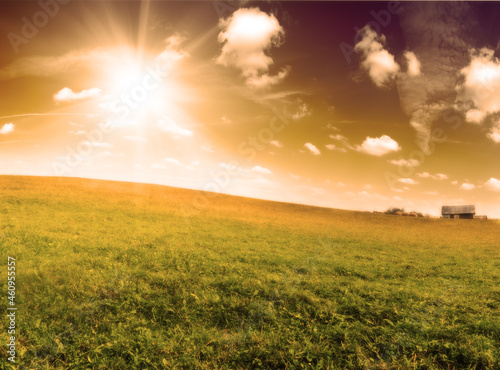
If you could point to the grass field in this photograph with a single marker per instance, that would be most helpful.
(114, 275)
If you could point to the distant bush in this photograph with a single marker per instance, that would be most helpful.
(392, 211)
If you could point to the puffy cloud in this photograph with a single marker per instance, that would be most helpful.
(168, 125)
(246, 35)
(407, 181)
(438, 176)
(379, 63)
(261, 170)
(378, 146)
(312, 148)
(68, 95)
(277, 143)
(7, 129)
(494, 133)
(475, 116)
(413, 64)
(482, 82)
(467, 186)
(405, 162)
(493, 184)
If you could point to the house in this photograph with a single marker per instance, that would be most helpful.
(455, 212)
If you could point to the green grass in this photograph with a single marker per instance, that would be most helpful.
(127, 276)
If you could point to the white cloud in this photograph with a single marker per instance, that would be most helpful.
(408, 181)
(427, 175)
(413, 64)
(494, 133)
(335, 147)
(312, 148)
(261, 170)
(135, 138)
(247, 34)
(482, 82)
(168, 125)
(68, 95)
(475, 116)
(405, 162)
(379, 63)
(277, 143)
(467, 186)
(338, 137)
(7, 129)
(378, 146)
(493, 184)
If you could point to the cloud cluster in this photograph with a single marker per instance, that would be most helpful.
(427, 175)
(414, 65)
(67, 95)
(378, 146)
(378, 62)
(247, 34)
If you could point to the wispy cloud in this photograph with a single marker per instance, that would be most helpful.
(312, 148)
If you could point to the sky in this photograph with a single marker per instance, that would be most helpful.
(351, 105)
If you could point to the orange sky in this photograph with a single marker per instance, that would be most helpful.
(349, 105)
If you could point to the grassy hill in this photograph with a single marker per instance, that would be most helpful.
(113, 275)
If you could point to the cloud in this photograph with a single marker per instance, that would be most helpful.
(172, 161)
(405, 162)
(335, 147)
(261, 170)
(467, 186)
(494, 133)
(413, 64)
(277, 143)
(302, 112)
(97, 144)
(7, 129)
(312, 148)
(265, 80)
(68, 95)
(378, 146)
(168, 125)
(379, 63)
(407, 181)
(438, 176)
(475, 116)
(247, 34)
(481, 84)
(442, 53)
(135, 138)
(492, 184)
